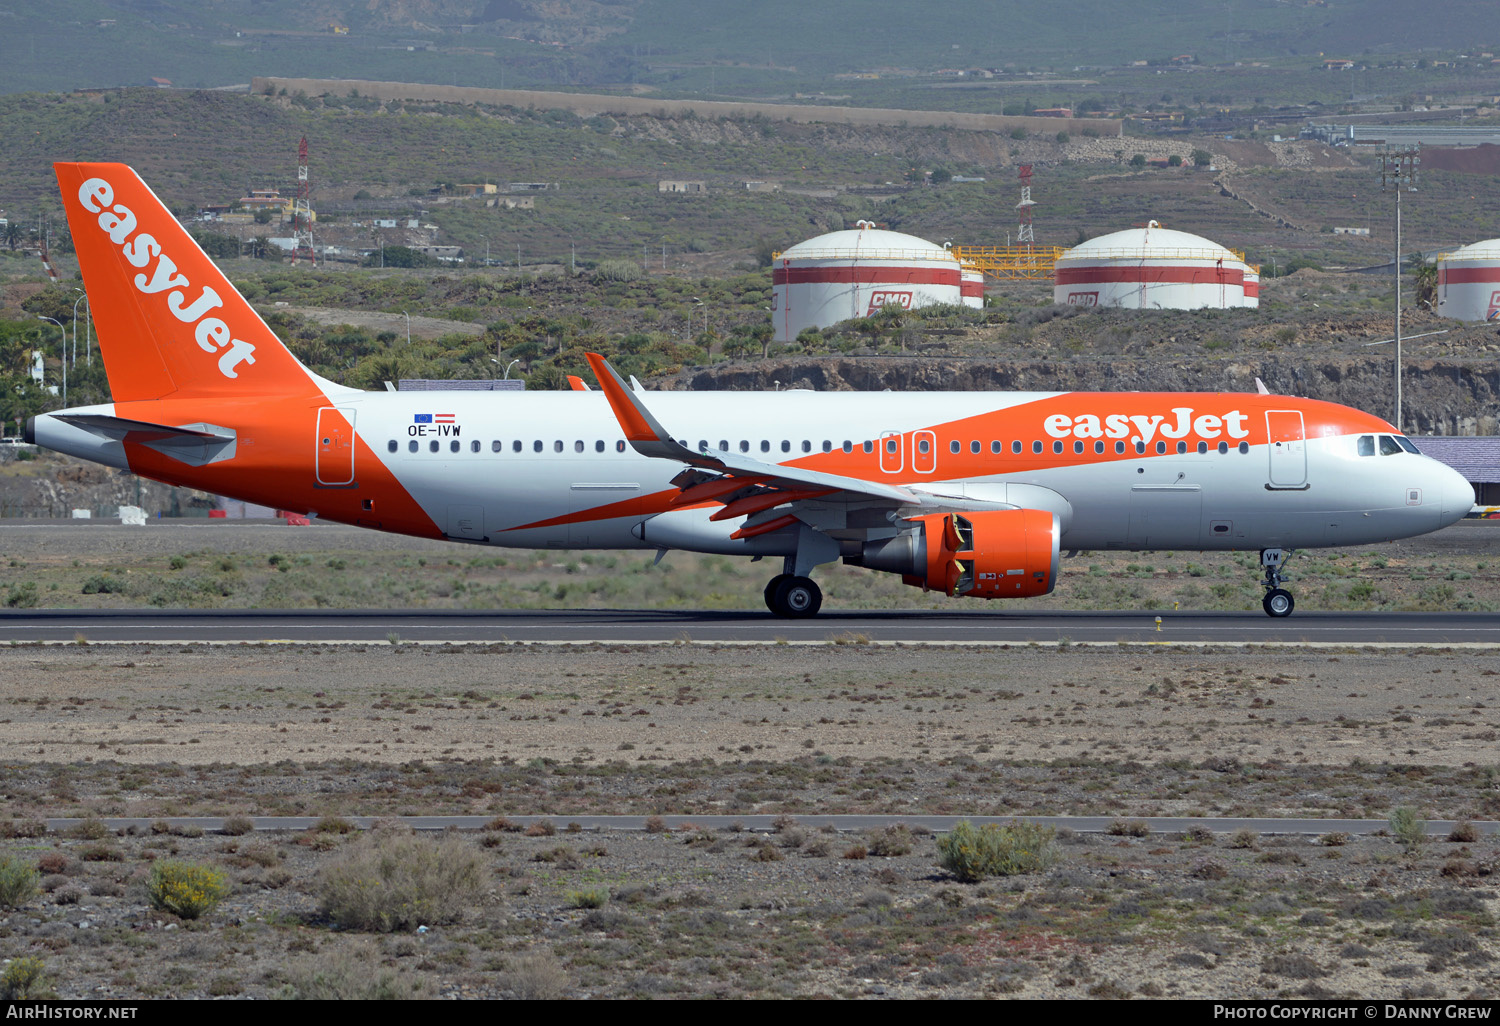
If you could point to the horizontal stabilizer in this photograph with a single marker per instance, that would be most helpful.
(193, 444)
(143, 431)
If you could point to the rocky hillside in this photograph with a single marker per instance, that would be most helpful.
(1442, 396)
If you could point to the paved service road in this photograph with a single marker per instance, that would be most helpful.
(654, 626)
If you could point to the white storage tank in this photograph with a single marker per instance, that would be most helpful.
(971, 283)
(1154, 268)
(1469, 282)
(854, 273)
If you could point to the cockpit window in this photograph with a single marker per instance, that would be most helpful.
(1388, 446)
(1367, 445)
(1406, 443)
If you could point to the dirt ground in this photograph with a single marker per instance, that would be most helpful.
(693, 729)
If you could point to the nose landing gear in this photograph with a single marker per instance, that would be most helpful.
(1278, 601)
(793, 597)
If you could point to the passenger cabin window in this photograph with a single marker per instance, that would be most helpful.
(1223, 448)
(1057, 447)
(744, 445)
(995, 447)
(391, 446)
(1015, 447)
(1367, 445)
(536, 446)
(1182, 447)
(765, 446)
(620, 445)
(474, 445)
(454, 446)
(495, 446)
(974, 447)
(1078, 447)
(1036, 447)
(1202, 448)
(433, 445)
(953, 446)
(1099, 447)
(724, 444)
(806, 445)
(1244, 448)
(578, 445)
(599, 445)
(1119, 448)
(515, 446)
(557, 445)
(1388, 446)
(827, 445)
(411, 446)
(1140, 448)
(869, 447)
(786, 446)
(848, 445)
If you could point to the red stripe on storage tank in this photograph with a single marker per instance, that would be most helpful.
(1150, 275)
(1252, 290)
(865, 275)
(973, 288)
(1468, 275)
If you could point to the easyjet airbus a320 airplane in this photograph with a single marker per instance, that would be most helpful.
(970, 493)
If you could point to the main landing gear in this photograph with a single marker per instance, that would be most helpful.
(793, 597)
(1278, 601)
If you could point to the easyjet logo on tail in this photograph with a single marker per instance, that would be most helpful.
(118, 222)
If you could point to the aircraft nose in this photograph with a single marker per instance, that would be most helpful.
(1455, 494)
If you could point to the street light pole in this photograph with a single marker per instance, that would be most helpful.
(1398, 172)
(64, 355)
(81, 298)
(408, 327)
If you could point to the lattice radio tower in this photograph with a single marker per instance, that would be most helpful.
(1023, 231)
(302, 210)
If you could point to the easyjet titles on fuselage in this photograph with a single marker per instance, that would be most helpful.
(211, 333)
(1179, 424)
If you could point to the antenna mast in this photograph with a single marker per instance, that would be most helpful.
(302, 215)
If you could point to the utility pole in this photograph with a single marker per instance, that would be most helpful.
(1398, 173)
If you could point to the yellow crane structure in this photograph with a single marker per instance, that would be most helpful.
(1010, 263)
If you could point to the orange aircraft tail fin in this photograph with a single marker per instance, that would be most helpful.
(170, 324)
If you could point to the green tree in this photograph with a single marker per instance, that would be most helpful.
(1202, 158)
(1425, 277)
(1138, 161)
(14, 235)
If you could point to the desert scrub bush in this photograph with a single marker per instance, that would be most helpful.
(1409, 828)
(388, 881)
(236, 826)
(23, 978)
(18, 882)
(351, 975)
(536, 977)
(891, 842)
(973, 853)
(591, 897)
(185, 889)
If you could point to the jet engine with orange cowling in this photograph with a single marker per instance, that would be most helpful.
(1005, 553)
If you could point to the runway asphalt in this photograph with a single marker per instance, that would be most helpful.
(665, 627)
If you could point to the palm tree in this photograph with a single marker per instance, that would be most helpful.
(13, 235)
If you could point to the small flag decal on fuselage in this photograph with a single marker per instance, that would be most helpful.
(443, 418)
(434, 418)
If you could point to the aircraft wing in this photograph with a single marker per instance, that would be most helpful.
(647, 436)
